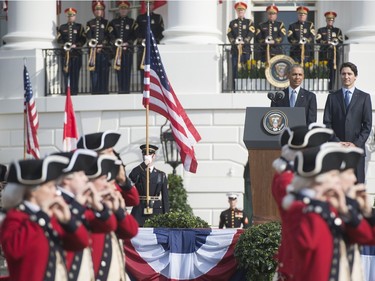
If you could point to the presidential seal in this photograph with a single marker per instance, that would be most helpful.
(277, 70)
(274, 122)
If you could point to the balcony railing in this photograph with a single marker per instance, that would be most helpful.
(54, 75)
(251, 76)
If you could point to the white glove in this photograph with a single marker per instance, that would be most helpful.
(147, 159)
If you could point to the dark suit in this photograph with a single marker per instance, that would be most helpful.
(352, 124)
(305, 99)
(157, 188)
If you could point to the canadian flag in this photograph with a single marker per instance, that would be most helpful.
(70, 137)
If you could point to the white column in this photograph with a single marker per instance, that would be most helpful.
(362, 21)
(31, 25)
(192, 22)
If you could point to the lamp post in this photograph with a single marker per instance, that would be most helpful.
(170, 151)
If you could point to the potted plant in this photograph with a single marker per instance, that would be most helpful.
(255, 251)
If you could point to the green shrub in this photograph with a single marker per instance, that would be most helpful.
(177, 195)
(255, 251)
(176, 220)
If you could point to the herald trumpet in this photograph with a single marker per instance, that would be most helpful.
(67, 46)
(92, 57)
(303, 41)
(334, 42)
(118, 42)
(269, 40)
(239, 40)
(93, 43)
(118, 57)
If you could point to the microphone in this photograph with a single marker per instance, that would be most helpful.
(279, 95)
(271, 96)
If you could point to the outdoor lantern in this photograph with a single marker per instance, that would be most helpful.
(170, 151)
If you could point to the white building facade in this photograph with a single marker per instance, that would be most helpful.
(191, 54)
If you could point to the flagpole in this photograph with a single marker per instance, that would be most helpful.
(148, 210)
(24, 118)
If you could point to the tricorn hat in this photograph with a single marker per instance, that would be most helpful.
(99, 141)
(79, 160)
(351, 158)
(105, 165)
(319, 160)
(3, 171)
(300, 137)
(37, 171)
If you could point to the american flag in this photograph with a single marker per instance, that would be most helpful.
(159, 95)
(31, 117)
(70, 135)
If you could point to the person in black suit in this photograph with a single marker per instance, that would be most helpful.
(348, 112)
(296, 96)
(158, 201)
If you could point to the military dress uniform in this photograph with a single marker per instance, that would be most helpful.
(232, 218)
(97, 29)
(240, 28)
(140, 29)
(296, 32)
(326, 36)
(123, 28)
(276, 31)
(72, 59)
(159, 199)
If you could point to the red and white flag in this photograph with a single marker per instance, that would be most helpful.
(31, 117)
(159, 95)
(157, 4)
(70, 135)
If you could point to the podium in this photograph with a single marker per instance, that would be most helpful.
(263, 127)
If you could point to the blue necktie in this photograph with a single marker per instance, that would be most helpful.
(293, 98)
(347, 98)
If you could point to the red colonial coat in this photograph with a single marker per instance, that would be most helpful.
(131, 195)
(127, 227)
(94, 225)
(29, 242)
(280, 183)
(314, 243)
